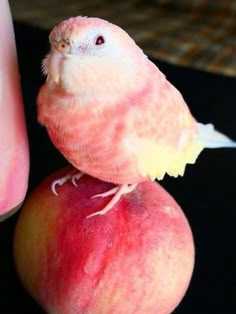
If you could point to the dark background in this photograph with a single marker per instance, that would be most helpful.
(206, 192)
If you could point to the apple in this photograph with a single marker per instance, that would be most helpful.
(14, 150)
(137, 258)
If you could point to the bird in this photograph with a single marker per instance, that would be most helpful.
(112, 113)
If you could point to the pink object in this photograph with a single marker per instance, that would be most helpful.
(111, 112)
(14, 152)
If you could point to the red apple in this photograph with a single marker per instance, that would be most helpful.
(138, 258)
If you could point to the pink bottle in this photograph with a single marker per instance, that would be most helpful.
(14, 152)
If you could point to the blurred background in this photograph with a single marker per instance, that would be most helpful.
(199, 34)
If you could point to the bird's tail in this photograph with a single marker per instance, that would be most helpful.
(211, 138)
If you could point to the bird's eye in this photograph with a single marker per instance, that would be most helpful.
(99, 40)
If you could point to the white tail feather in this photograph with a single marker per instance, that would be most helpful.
(212, 138)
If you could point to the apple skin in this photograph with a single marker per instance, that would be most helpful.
(138, 258)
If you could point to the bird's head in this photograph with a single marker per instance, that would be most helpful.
(87, 53)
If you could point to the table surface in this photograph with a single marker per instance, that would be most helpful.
(167, 30)
(206, 192)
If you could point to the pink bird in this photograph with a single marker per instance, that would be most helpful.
(112, 113)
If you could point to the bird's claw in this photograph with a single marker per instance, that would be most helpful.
(75, 177)
(105, 194)
(53, 187)
(100, 212)
(59, 182)
(71, 176)
(117, 192)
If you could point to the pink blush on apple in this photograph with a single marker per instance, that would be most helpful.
(138, 258)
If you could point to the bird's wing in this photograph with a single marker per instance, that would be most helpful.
(164, 133)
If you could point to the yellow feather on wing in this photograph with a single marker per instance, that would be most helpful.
(155, 160)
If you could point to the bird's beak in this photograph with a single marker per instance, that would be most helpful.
(54, 79)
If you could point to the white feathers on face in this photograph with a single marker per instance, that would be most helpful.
(97, 41)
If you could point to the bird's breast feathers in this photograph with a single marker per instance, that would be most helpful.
(146, 134)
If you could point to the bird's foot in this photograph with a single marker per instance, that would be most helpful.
(108, 193)
(73, 176)
(76, 177)
(117, 192)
